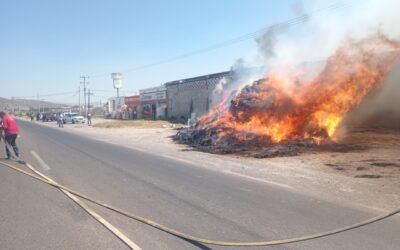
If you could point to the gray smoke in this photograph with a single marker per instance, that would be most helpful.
(381, 109)
(242, 74)
(298, 7)
(267, 40)
(287, 50)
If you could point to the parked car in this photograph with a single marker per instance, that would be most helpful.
(48, 117)
(73, 118)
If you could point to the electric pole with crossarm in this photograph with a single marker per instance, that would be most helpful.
(84, 82)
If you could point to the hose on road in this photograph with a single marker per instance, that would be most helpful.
(194, 238)
(114, 230)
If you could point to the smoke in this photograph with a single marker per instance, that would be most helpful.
(381, 109)
(298, 7)
(267, 41)
(242, 74)
(227, 85)
(298, 51)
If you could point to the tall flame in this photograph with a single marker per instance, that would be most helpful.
(282, 109)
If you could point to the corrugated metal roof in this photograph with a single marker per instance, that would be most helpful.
(198, 78)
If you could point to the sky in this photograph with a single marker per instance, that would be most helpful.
(45, 46)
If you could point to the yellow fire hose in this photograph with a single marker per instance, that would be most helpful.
(194, 238)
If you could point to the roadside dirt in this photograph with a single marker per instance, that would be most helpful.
(367, 179)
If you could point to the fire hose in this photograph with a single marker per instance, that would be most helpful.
(190, 237)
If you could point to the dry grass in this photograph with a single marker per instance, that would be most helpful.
(133, 123)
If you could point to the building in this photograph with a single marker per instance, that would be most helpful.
(115, 107)
(133, 106)
(153, 103)
(192, 96)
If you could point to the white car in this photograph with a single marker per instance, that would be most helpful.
(73, 118)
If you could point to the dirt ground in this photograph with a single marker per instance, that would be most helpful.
(366, 178)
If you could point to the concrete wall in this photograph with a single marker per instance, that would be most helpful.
(191, 95)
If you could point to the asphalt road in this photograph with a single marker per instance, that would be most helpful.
(194, 200)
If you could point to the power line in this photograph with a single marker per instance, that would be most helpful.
(100, 96)
(297, 20)
(45, 95)
(109, 91)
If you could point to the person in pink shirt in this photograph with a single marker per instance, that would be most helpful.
(10, 128)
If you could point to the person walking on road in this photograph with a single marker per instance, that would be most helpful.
(60, 120)
(89, 119)
(10, 128)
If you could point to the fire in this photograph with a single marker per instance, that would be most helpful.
(279, 108)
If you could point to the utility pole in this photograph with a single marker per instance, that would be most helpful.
(41, 107)
(38, 102)
(13, 105)
(84, 82)
(89, 94)
(79, 99)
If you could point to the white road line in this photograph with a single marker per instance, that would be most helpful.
(95, 215)
(105, 223)
(259, 180)
(40, 160)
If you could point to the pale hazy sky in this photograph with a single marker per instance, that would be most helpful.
(46, 45)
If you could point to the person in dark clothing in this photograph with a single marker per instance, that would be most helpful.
(10, 128)
(89, 119)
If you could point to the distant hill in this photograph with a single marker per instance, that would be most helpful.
(27, 105)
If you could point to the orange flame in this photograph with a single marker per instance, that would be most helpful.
(282, 110)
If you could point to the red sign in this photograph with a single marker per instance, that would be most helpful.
(132, 101)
